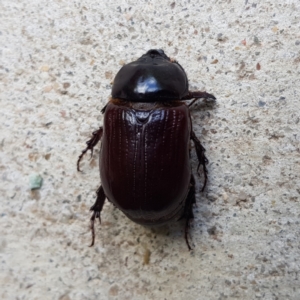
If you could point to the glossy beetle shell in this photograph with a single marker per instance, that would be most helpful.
(144, 160)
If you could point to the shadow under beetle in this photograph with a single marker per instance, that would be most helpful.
(145, 166)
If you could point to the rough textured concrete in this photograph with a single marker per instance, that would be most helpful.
(58, 59)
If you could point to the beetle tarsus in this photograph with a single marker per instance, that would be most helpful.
(186, 231)
(97, 208)
(97, 135)
(93, 229)
(188, 210)
(198, 95)
(201, 157)
(103, 109)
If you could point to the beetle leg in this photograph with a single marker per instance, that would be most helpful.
(197, 95)
(97, 135)
(201, 157)
(97, 208)
(186, 230)
(103, 109)
(188, 210)
(191, 103)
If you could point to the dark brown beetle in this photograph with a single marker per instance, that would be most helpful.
(144, 159)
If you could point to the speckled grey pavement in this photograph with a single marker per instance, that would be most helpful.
(57, 63)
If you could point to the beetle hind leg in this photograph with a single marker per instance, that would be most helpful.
(188, 209)
(97, 208)
(202, 160)
(97, 135)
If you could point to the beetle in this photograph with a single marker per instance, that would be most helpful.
(145, 166)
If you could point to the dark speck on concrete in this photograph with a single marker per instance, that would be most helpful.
(261, 103)
(256, 40)
(212, 230)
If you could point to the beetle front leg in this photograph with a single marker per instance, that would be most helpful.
(198, 95)
(97, 208)
(97, 135)
(202, 160)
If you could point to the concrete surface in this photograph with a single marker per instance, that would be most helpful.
(58, 59)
